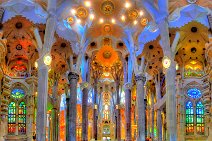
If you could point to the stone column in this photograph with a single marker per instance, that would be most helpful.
(152, 115)
(42, 100)
(180, 111)
(118, 113)
(159, 120)
(95, 114)
(128, 111)
(140, 79)
(31, 108)
(170, 74)
(85, 91)
(71, 133)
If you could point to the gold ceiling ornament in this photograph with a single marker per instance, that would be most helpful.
(107, 28)
(144, 21)
(70, 20)
(107, 56)
(133, 14)
(107, 7)
(81, 12)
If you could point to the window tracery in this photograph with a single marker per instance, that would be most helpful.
(189, 117)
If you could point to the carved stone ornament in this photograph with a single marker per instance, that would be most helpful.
(144, 21)
(107, 7)
(140, 77)
(73, 75)
(82, 12)
(191, 1)
(133, 14)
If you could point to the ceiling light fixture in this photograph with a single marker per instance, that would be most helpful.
(123, 18)
(127, 4)
(92, 16)
(87, 3)
(141, 13)
(101, 20)
(73, 11)
(78, 21)
(113, 21)
(135, 22)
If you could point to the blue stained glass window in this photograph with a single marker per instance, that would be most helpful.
(17, 93)
(200, 117)
(189, 117)
(194, 93)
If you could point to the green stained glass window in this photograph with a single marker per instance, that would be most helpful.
(22, 118)
(200, 117)
(17, 93)
(11, 118)
(189, 118)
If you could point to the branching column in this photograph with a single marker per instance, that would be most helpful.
(42, 100)
(71, 107)
(170, 74)
(96, 74)
(140, 79)
(116, 72)
(43, 70)
(152, 115)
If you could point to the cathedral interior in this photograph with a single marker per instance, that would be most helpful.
(107, 70)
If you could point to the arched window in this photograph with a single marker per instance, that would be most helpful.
(11, 118)
(189, 118)
(200, 117)
(22, 118)
(17, 113)
(194, 93)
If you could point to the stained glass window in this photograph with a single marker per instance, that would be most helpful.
(17, 93)
(194, 93)
(200, 117)
(189, 117)
(11, 118)
(22, 118)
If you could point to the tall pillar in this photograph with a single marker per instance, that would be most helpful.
(152, 116)
(170, 74)
(140, 79)
(31, 108)
(42, 100)
(71, 133)
(159, 120)
(118, 113)
(85, 91)
(128, 111)
(95, 114)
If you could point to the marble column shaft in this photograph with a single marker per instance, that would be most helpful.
(95, 116)
(85, 114)
(118, 113)
(42, 101)
(128, 114)
(140, 79)
(73, 79)
(152, 115)
(159, 119)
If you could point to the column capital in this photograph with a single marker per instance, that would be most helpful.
(140, 77)
(127, 85)
(84, 85)
(73, 75)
